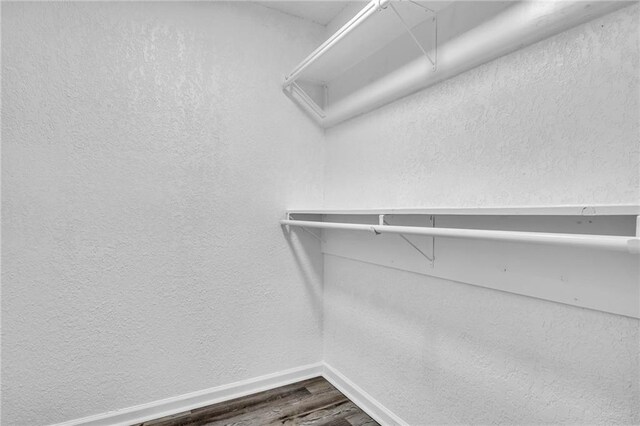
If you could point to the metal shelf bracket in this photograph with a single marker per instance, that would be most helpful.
(434, 19)
(383, 222)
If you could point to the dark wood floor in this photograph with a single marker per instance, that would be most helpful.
(313, 402)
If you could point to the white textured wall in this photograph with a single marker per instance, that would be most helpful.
(555, 123)
(440, 352)
(148, 153)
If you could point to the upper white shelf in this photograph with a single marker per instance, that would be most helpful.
(562, 210)
(374, 26)
(391, 49)
(378, 24)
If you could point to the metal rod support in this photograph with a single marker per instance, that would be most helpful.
(413, 36)
(384, 222)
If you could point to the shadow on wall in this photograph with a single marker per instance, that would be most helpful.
(492, 349)
(307, 254)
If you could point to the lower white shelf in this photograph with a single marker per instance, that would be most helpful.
(584, 256)
(605, 242)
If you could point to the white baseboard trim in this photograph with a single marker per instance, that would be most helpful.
(362, 399)
(190, 401)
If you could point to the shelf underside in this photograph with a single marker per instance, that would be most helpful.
(370, 36)
(560, 210)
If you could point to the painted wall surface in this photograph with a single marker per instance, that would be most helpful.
(555, 123)
(440, 352)
(146, 161)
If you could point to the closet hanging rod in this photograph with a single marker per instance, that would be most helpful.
(372, 7)
(605, 242)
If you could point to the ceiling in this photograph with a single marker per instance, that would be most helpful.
(320, 12)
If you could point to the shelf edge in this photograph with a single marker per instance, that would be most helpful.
(558, 210)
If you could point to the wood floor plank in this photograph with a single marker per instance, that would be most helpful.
(327, 415)
(249, 403)
(261, 414)
(312, 402)
(309, 405)
(277, 414)
(361, 419)
(337, 422)
(319, 386)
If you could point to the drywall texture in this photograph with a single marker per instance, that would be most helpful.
(439, 352)
(148, 153)
(554, 123)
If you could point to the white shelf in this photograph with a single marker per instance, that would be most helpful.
(547, 252)
(558, 210)
(363, 35)
(378, 24)
(370, 61)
